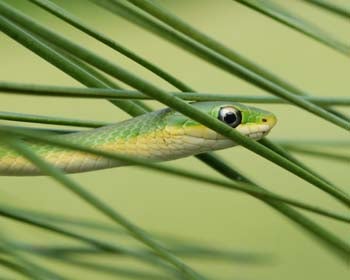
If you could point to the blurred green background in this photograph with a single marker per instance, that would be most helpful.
(169, 205)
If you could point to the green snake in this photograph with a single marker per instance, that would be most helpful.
(158, 136)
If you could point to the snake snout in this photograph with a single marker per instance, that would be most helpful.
(269, 120)
(260, 128)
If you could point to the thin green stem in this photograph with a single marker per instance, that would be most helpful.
(19, 117)
(315, 142)
(108, 93)
(113, 270)
(187, 251)
(318, 153)
(106, 269)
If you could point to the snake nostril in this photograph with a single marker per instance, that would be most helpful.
(264, 120)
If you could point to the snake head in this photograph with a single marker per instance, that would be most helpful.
(252, 122)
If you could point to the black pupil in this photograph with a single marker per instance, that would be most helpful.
(230, 118)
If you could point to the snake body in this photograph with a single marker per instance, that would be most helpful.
(158, 136)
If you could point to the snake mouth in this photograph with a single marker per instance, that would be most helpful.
(254, 131)
(258, 131)
(259, 134)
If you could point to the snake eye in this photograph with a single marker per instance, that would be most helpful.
(230, 116)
